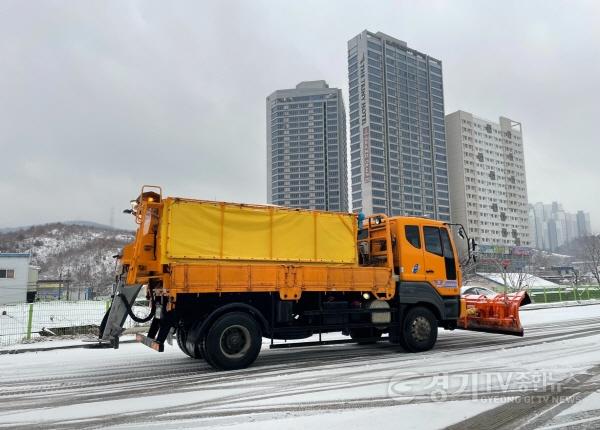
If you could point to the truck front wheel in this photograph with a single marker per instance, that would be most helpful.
(419, 330)
(233, 341)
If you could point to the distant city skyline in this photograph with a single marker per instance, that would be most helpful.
(552, 226)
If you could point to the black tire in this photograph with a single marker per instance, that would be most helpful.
(208, 358)
(181, 336)
(233, 341)
(419, 330)
(365, 336)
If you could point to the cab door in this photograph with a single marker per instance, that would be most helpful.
(440, 262)
(411, 252)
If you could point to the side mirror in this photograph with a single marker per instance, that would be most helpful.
(461, 233)
(473, 245)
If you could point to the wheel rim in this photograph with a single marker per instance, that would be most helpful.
(420, 329)
(235, 341)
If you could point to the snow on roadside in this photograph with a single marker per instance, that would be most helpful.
(569, 303)
(558, 314)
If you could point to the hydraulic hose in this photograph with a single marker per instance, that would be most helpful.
(134, 316)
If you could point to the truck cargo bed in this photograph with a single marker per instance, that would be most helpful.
(290, 281)
(204, 230)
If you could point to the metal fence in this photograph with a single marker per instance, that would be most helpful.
(563, 293)
(26, 322)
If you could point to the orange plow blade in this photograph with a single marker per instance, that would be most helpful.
(498, 314)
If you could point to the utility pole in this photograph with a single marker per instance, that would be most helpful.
(68, 282)
(60, 283)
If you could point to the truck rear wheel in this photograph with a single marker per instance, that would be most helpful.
(181, 342)
(419, 330)
(233, 341)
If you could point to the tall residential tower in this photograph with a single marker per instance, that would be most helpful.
(487, 179)
(397, 134)
(306, 148)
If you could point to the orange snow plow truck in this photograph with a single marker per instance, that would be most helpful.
(222, 276)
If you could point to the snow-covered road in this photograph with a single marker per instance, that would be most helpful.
(549, 379)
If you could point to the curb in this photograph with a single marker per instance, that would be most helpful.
(557, 305)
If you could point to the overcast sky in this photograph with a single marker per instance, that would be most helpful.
(98, 97)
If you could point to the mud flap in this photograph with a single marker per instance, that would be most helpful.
(498, 314)
(117, 313)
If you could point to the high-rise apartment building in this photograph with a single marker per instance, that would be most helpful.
(306, 148)
(397, 134)
(584, 227)
(487, 179)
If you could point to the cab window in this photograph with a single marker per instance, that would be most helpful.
(412, 235)
(446, 244)
(433, 243)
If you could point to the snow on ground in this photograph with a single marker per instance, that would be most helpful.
(409, 416)
(589, 404)
(470, 380)
(563, 304)
(58, 342)
(557, 315)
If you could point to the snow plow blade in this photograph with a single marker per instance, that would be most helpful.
(498, 314)
(112, 324)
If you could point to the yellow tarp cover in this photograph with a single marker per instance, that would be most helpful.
(200, 230)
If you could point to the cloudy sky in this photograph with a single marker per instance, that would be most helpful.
(99, 97)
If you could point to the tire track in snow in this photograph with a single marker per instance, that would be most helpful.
(172, 375)
(531, 410)
(94, 389)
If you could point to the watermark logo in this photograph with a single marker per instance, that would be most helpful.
(406, 387)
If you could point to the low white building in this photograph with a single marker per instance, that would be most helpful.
(15, 274)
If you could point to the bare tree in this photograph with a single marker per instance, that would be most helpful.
(514, 273)
(590, 252)
(468, 270)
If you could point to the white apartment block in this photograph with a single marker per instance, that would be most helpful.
(488, 189)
